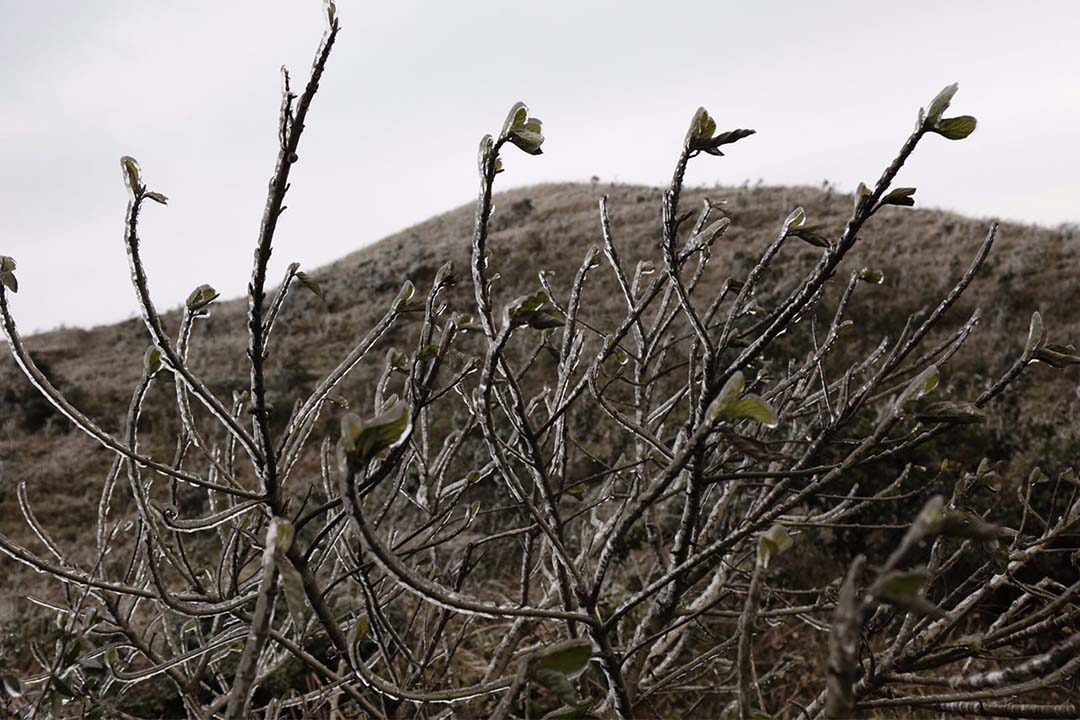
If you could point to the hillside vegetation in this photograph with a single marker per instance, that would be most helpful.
(549, 228)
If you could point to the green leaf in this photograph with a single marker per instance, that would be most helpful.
(923, 384)
(396, 359)
(404, 301)
(1001, 556)
(729, 137)
(281, 534)
(483, 154)
(701, 130)
(728, 394)
(522, 130)
(772, 542)
(955, 128)
(940, 103)
(1057, 356)
(8, 280)
(568, 658)
(903, 589)
(359, 631)
(899, 196)
(811, 234)
(517, 117)
(702, 134)
(200, 297)
(7, 273)
(875, 277)
(279, 538)
(132, 174)
(331, 12)
(152, 360)
(553, 667)
(709, 235)
(755, 408)
(364, 439)
(729, 405)
(310, 283)
(794, 220)
(157, 197)
(535, 310)
(428, 352)
(1037, 476)
(557, 683)
(1035, 334)
(947, 411)
(862, 193)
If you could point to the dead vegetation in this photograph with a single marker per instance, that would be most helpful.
(688, 452)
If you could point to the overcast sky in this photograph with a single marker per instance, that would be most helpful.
(191, 90)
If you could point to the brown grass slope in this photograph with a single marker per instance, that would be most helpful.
(550, 227)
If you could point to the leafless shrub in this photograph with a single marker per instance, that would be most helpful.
(539, 515)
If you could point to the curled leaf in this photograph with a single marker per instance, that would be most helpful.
(535, 310)
(772, 542)
(955, 128)
(709, 234)
(280, 537)
(152, 360)
(1057, 356)
(811, 234)
(363, 439)
(702, 134)
(728, 394)
(568, 658)
(903, 197)
(483, 154)
(729, 405)
(875, 277)
(903, 589)
(310, 284)
(794, 220)
(862, 194)
(7, 273)
(1035, 334)
(923, 384)
(522, 130)
(940, 103)
(752, 407)
(132, 174)
(200, 297)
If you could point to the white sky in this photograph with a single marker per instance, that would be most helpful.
(191, 90)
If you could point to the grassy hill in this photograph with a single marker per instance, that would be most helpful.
(549, 227)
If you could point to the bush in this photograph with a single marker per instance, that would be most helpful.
(546, 511)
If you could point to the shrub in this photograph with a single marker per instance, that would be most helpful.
(539, 514)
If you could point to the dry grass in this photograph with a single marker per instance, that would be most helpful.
(545, 227)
